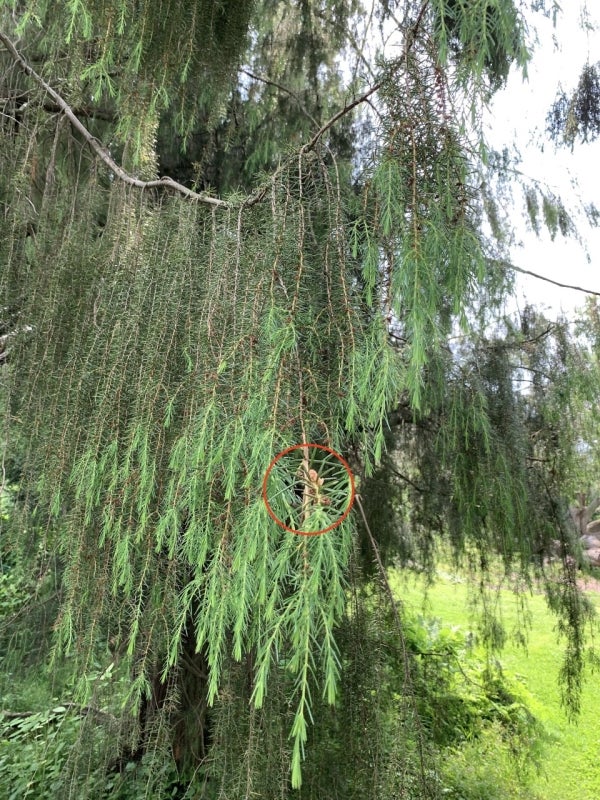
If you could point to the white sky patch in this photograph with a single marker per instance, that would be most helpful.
(517, 117)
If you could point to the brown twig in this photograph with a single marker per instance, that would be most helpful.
(341, 113)
(293, 95)
(503, 264)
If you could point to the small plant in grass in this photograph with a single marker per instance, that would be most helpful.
(462, 695)
(483, 769)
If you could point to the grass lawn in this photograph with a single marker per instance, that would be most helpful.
(571, 764)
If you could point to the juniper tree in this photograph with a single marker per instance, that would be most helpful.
(203, 267)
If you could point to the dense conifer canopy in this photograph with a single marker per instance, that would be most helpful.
(226, 229)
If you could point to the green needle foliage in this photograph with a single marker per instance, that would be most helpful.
(165, 348)
(577, 116)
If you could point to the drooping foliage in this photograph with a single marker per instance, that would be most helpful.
(486, 39)
(489, 469)
(162, 351)
(577, 116)
(138, 61)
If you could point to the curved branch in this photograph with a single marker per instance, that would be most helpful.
(341, 113)
(255, 198)
(95, 145)
(167, 182)
(411, 35)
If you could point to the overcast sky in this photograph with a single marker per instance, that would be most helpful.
(518, 114)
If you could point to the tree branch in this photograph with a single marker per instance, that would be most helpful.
(411, 35)
(341, 113)
(405, 478)
(507, 265)
(96, 146)
(81, 711)
(83, 111)
(293, 95)
(169, 183)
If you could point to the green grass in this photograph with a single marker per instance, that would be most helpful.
(571, 756)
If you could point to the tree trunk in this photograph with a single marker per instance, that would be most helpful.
(182, 702)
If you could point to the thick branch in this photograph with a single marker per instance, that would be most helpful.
(405, 478)
(95, 145)
(341, 113)
(169, 183)
(83, 111)
(410, 39)
(411, 35)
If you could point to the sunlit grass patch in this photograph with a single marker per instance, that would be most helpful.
(571, 755)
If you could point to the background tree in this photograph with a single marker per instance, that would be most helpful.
(285, 283)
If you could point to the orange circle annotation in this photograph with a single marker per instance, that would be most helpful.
(284, 453)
